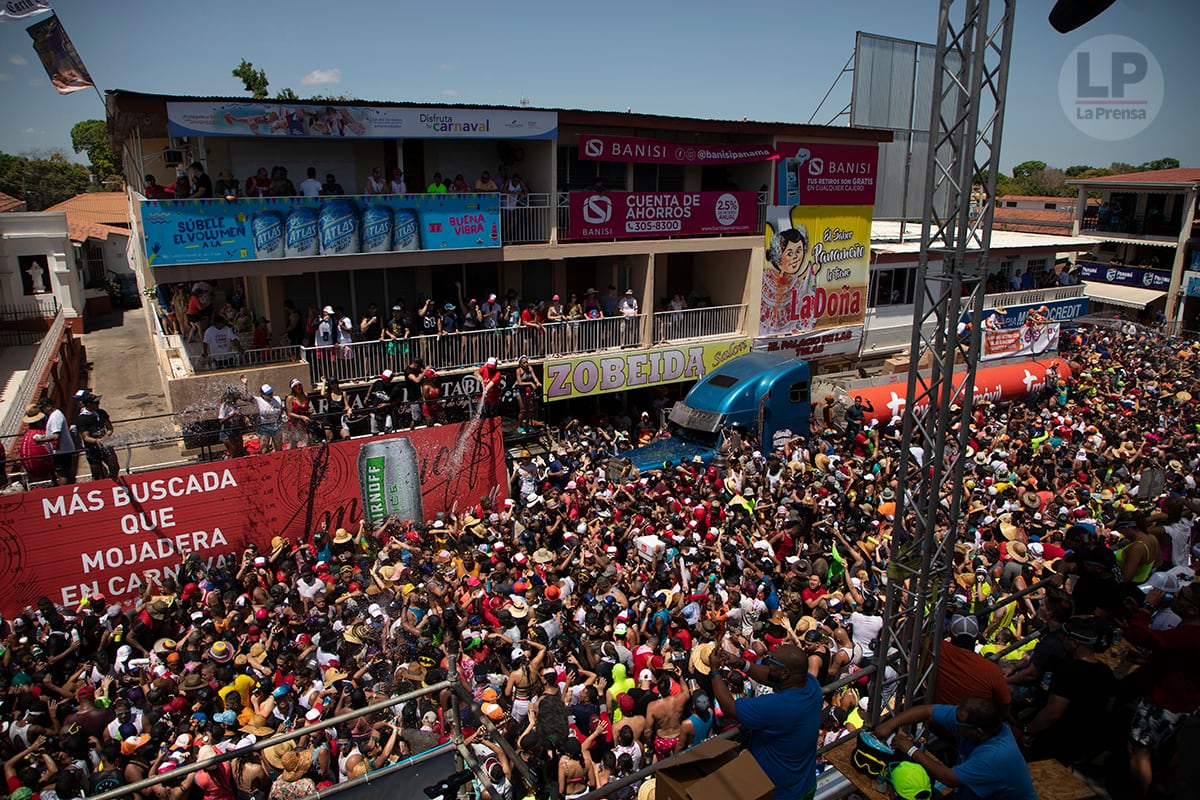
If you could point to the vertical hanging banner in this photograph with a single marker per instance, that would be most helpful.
(17, 10)
(62, 63)
(818, 260)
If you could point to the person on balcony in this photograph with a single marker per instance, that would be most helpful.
(485, 183)
(300, 426)
(490, 378)
(556, 320)
(490, 311)
(528, 389)
(395, 331)
(270, 419)
(201, 183)
(437, 185)
(628, 309)
(310, 186)
(218, 343)
(398, 186)
(459, 185)
(375, 182)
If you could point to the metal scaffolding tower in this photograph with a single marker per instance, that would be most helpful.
(970, 81)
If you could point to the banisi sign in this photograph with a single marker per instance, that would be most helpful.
(626, 215)
(634, 150)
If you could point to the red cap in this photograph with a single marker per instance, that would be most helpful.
(625, 702)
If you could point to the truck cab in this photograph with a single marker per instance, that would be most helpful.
(768, 393)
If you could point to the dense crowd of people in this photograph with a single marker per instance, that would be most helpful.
(603, 619)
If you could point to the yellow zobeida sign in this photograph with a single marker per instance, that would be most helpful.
(637, 369)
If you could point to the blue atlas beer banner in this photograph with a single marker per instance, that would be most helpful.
(247, 229)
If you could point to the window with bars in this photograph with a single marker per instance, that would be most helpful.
(92, 257)
(1035, 266)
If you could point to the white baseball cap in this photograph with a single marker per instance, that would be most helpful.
(327, 310)
(491, 361)
(266, 389)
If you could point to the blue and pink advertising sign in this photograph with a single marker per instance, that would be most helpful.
(248, 229)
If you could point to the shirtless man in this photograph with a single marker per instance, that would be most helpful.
(664, 716)
(522, 684)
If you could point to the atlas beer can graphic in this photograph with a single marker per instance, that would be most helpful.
(377, 229)
(338, 227)
(301, 233)
(406, 235)
(389, 477)
(267, 229)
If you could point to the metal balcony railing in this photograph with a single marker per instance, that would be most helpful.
(364, 361)
(280, 354)
(528, 222)
(699, 323)
(1032, 296)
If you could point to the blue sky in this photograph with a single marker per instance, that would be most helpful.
(770, 60)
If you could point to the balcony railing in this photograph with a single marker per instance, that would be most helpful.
(280, 354)
(364, 361)
(528, 222)
(699, 323)
(1128, 225)
(1032, 296)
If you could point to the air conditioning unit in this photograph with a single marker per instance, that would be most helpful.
(179, 142)
(173, 158)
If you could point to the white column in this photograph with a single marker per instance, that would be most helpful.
(1175, 292)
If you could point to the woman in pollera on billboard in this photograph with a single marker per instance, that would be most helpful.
(786, 281)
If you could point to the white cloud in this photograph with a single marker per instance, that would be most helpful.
(5, 77)
(30, 131)
(18, 60)
(450, 92)
(322, 77)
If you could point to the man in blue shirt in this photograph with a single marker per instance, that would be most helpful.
(783, 726)
(990, 765)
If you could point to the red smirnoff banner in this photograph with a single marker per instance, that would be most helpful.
(634, 150)
(627, 215)
(110, 537)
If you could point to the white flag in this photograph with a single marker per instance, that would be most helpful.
(23, 9)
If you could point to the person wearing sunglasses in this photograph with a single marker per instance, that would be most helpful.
(783, 726)
(990, 765)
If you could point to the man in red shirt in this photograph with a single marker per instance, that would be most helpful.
(1174, 695)
(489, 376)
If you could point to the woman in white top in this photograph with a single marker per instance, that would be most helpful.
(270, 420)
(375, 182)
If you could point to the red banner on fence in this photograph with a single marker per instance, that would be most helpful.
(625, 215)
(106, 536)
(634, 150)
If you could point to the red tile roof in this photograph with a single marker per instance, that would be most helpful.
(1034, 220)
(80, 230)
(10, 204)
(107, 208)
(1180, 175)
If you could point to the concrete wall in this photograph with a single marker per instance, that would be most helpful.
(200, 394)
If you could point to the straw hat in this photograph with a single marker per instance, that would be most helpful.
(294, 764)
(33, 415)
(276, 546)
(519, 608)
(1018, 552)
(333, 675)
(1009, 531)
(1031, 500)
(415, 672)
(275, 753)
(342, 536)
(257, 726)
(542, 556)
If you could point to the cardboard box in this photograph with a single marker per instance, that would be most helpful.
(714, 769)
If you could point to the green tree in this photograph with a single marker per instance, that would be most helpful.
(42, 179)
(287, 94)
(255, 80)
(91, 135)
(1027, 168)
(1160, 163)
(1121, 168)
(1077, 170)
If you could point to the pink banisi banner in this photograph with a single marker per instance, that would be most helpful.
(626, 215)
(634, 150)
(819, 174)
